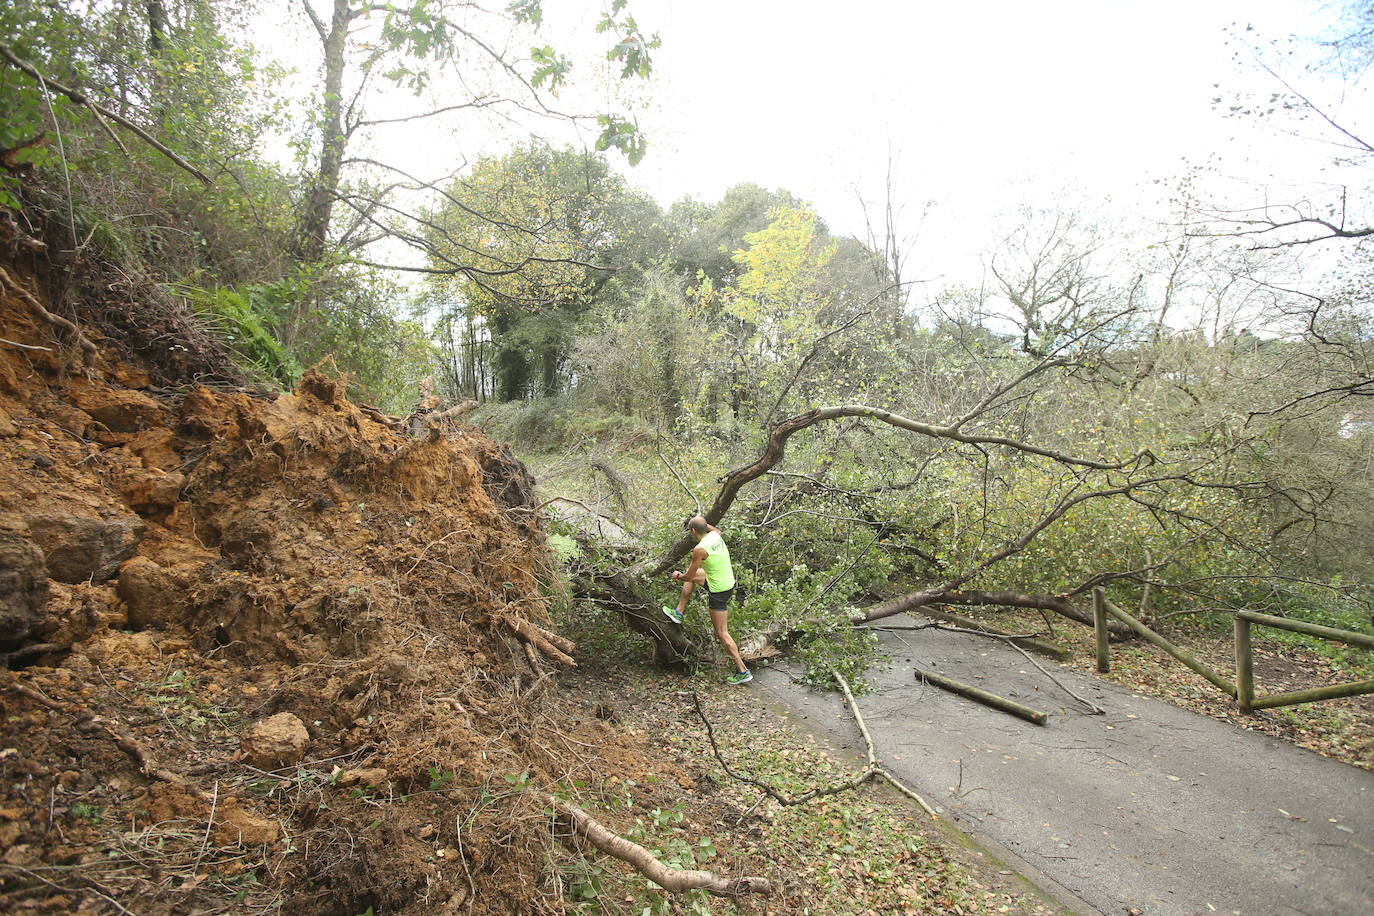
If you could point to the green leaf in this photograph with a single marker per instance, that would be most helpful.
(531, 11)
(618, 133)
(549, 67)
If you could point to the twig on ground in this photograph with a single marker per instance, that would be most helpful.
(873, 768)
(85, 720)
(209, 825)
(89, 884)
(1096, 710)
(1010, 639)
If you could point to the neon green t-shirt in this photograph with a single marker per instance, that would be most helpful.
(720, 575)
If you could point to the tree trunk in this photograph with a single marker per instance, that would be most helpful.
(157, 26)
(550, 360)
(512, 374)
(312, 230)
(641, 614)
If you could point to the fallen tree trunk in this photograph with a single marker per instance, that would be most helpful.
(977, 626)
(1057, 603)
(673, 880)
(671, 646)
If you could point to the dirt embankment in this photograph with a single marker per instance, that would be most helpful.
(268, 652)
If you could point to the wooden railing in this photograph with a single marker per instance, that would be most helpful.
(1243, 690)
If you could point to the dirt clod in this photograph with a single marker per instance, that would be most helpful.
(276, 741)
(149, 593)
(23, 579)
(81, 547)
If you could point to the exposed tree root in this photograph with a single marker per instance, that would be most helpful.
(24, 654)
(385, 419)
(426, 418)
(37, 308)
(673, 880)
(550, 644)
(88, 721)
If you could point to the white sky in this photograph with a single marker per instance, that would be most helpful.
(982, 106)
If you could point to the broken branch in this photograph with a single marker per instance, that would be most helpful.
(673, 880)
(781, 431)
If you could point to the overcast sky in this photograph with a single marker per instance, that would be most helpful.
(980, 106)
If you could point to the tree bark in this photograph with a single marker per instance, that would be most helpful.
(640, 614)
(157, 26)
(312, 230)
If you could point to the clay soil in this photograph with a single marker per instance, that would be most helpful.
(215, 558)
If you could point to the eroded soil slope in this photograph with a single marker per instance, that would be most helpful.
(268, 651)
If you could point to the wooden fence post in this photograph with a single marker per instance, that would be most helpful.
(1245, 667)
(1154, 638)
(1104, 659)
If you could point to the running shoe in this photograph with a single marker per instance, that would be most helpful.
(672, 614)
(740, 677)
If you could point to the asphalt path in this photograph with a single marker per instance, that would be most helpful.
(1148, 807)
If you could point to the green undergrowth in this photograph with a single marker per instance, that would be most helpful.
(237, 319)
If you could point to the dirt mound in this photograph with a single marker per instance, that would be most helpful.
(207, 583)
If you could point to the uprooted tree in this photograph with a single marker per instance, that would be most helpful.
(1093, 446)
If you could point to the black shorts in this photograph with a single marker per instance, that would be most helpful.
(716, 601)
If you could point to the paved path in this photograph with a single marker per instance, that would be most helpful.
(1149, 807)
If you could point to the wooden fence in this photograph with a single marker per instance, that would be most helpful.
(1243, 690)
